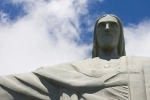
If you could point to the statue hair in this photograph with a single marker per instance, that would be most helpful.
(121, 45)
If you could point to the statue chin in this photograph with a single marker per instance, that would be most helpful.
(107, 45)
(106, 42)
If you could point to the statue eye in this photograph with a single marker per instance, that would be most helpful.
(101, 25)
(114, 25)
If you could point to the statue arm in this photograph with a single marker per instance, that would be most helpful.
(66, 76)
(74, 81)
(46, 82)
(26, 86)
(35, 86)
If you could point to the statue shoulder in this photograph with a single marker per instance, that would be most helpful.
(68, 65)
(87, 62)
(138, 59)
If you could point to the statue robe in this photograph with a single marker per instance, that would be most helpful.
(126, 78)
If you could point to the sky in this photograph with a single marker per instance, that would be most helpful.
(39, 33)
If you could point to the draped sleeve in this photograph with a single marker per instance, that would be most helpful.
(47, 83)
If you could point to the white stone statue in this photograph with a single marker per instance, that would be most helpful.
(108, 75)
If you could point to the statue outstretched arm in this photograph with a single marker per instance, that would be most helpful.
(66, 75)
(46, 82)
(27, 86)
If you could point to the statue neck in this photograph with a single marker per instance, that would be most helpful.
(108, 53)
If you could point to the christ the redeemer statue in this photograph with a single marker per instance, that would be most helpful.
(108, 75)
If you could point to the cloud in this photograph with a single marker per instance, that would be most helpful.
(137, 38)
(48, 34)
(3, 18)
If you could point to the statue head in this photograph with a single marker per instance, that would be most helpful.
(108, 31)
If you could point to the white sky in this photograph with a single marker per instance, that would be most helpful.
(47, 35)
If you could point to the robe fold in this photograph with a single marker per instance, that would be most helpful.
(126, 78)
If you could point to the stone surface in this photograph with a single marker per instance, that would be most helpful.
(109, 75)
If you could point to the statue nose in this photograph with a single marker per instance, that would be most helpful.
(107, 27)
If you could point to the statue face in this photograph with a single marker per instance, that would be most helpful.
(108, 32)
